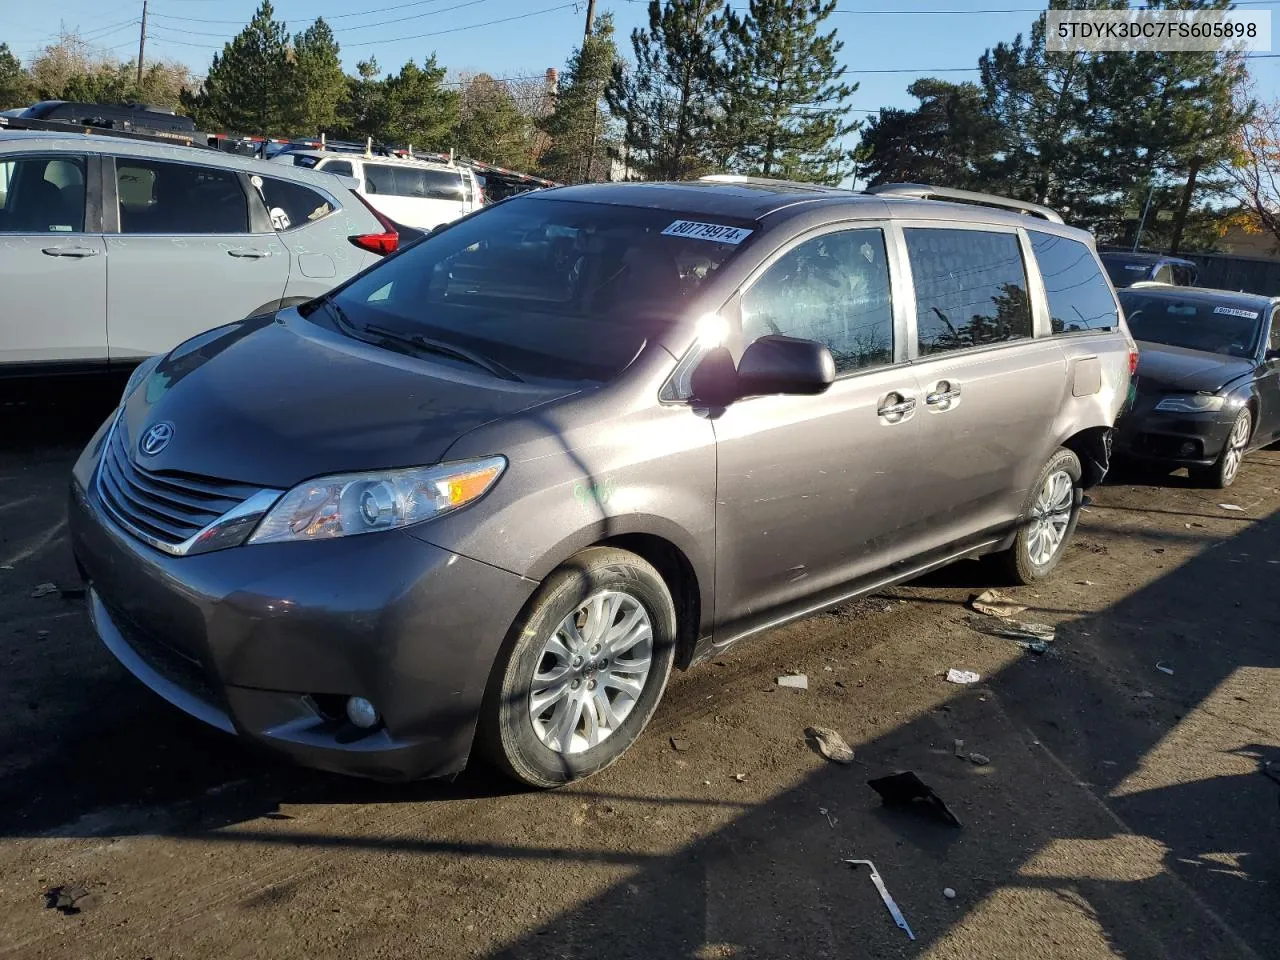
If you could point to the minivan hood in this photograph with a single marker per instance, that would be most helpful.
(275, 401)
(1170, 369)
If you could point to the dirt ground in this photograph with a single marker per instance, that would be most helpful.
(1122, 812)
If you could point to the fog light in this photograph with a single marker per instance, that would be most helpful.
(362, 713)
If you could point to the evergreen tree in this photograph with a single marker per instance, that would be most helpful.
(491, 127)
(948, 140)
(419, 110)
(578, 128)
(363, 112)
(784, 105)
(247, 88)
(317, 81)
(667, 101)
(15, 85)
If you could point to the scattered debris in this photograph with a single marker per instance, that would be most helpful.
(41, 634)
(948, 893)
(1035, 637)
(68, 899)
(679, 744)
(796, 681)
(906, 789)
(959, 749)
(1164, 669)
(892, 907)
(740, 777)
(1232, 506)
(831, 820)
(979, 759)
(962, 676)
(995, 604)
(1085, 583)
(44, 589)
(830, 744)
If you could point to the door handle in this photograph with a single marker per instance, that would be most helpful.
(248, 253)
(943, 394)
(895, 407)
(79, 252)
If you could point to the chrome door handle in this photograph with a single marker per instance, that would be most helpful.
(69, 252)
(249, 253)
(943, 394)
(896, 411)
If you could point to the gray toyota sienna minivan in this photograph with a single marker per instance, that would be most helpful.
(488, 492)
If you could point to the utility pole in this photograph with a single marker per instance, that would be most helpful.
(142, 43)
(591, 18)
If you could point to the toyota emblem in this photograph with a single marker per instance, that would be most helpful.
(156, 439)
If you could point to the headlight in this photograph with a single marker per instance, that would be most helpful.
(140, 374)
(1191, 403)
(353, 503)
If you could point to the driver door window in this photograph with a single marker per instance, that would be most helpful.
(833, 289)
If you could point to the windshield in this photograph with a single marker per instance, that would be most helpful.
(549, 289)
(1224, 326)
(1124, 272)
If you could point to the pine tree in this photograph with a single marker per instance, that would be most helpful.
(420, 111)
(491, 127)
(784, 105)
(578, 127)
(15, 85)
(317, 81)
(363, 112)
(667, 101)
(247, 87)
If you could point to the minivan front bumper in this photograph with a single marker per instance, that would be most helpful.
(268, 641)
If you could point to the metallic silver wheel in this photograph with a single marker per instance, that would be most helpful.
(591, 672)
(1050, 517)
(1234, 452)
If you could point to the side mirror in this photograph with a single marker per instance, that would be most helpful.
(777, 364)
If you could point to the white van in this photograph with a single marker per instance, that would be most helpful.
(417, 193)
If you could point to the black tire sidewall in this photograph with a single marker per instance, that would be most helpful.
(512, 741)
(1026, 569)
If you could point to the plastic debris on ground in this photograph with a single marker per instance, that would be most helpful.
(1164, 669)
(962, 676)
(959, 749)
(679, 744)
(907, 790)
(948, 893)
(1232, 506)
(740, 777)
(830, 744)
(795, 681)
(979, 759)
(888, 900)
(1035, 637)
(68, 899)
(44, 589)
(995, 604)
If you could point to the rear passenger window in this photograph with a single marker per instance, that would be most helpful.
(833, 289)
(291, 204)
(379, 178)
(443, 185)
(174, 198)
(1079, 294)
(42, 195)
(1164, 274)
(971, 288)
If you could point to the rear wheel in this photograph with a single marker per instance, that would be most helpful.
(1048, 521)
(1223, 473)
(583, 672)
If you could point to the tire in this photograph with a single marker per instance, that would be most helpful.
(1224, 472)
(542, 658)
(1025, 562)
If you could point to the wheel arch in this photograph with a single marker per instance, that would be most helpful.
(1092, 446)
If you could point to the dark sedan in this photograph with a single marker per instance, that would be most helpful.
(1208, 385)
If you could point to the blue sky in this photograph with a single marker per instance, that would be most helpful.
(942, 37)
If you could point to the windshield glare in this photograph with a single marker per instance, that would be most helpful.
(1224, 327)
(551, 289)
(1125, 272)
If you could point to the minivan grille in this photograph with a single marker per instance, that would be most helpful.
(168, 507)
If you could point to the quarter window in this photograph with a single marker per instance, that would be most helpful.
(1079, 295)
(971, 288)
(42, 195)
(291, 204)
(176, 198)
(833, 289)
(417, 182)
(339, 168)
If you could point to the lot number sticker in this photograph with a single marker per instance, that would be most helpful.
(715, 232)
(1233, 312)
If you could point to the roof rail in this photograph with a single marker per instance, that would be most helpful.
(766, 181)
(923, 191)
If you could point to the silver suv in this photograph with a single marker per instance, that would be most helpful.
(112, 250)
(493, 488)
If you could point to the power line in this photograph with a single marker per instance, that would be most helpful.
(360, 26)
(336, 16)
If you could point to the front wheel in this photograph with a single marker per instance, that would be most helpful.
(1048, 521)
(583, 672)
(1223, 473)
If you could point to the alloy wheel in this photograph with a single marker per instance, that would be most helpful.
(1050, 517)
(1236, 442)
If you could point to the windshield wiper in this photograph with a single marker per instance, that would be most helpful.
(429, 345)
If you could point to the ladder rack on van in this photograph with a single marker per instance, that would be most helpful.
(924, 191)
